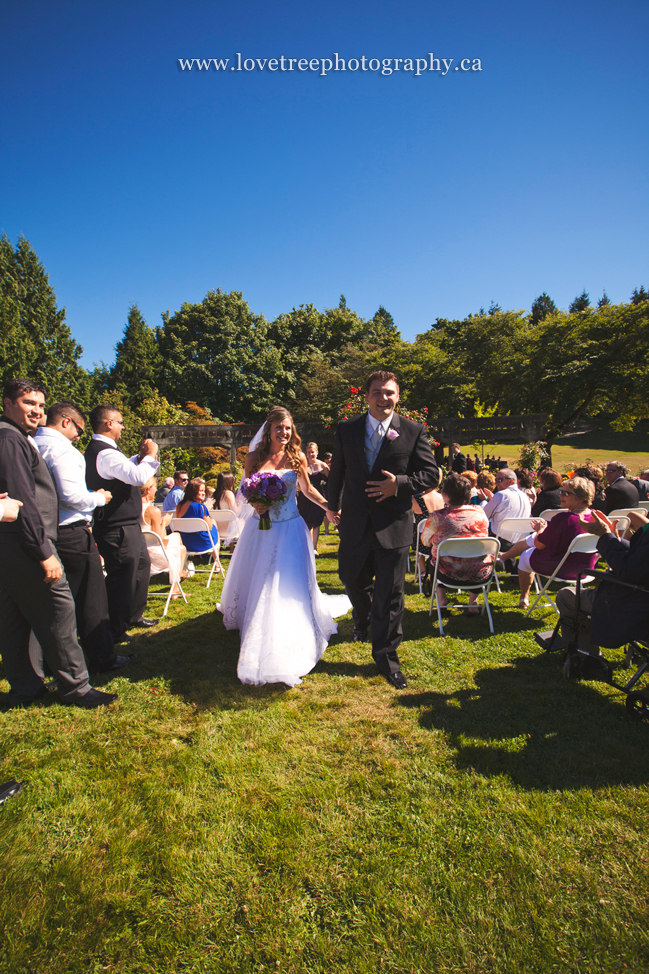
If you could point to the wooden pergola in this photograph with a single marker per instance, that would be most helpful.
(231, 437)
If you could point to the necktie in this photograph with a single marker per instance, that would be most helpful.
(375, 445)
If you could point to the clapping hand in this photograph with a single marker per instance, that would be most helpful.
(537, 524)
(598, 525)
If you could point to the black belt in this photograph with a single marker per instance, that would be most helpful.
(75, 524)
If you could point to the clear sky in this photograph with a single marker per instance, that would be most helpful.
(136, 181)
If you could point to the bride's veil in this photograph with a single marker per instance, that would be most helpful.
(242, 508)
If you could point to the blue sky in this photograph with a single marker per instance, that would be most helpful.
(136, 181)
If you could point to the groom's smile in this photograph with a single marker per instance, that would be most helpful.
(381, 399)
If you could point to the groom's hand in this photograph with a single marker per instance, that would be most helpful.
(380, 489)
(333, 517)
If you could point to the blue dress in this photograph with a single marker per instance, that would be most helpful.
(201, 540)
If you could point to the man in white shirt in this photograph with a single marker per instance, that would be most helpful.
(117, 528)
(177, 493)
(75, 545)
(508, 501)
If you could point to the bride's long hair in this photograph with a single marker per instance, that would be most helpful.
(293, 448)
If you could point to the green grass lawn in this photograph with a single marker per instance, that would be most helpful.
(492, 817)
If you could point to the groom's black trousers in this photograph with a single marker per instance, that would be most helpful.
(374, 579)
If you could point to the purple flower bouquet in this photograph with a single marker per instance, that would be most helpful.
(263, 488)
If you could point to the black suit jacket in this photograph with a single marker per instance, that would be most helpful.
(619, 495)
(408, 456)
(459, 464)
(620, 614)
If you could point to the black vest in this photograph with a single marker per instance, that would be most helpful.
(126, 505)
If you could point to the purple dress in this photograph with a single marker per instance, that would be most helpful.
(557, 537)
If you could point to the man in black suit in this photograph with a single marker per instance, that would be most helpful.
(620, 493)
(34, 592)
(381, 459)
(459, 464)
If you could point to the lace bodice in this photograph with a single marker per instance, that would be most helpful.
(286, 509)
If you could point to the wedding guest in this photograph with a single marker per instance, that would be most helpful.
(548, 498)
(224, 500)
(9, 508)
(176, 551)
(193, 505)
(525, 481)
(458, 459)
(164, 489)
(423, 505)
(117, 525)
(311, 513)
(457, 519)
(543, 550)
(620, 493)
(472, 477)
(328, 525)
(209, 498)
(34, 592)
(508, 501)
(596, 476)
(175, 495)
(641, 484)
(76, 546)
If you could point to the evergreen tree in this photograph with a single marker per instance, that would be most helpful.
(639, 296)
(383, 329)
(342, 303)
(581, 303)
(604, 301)
(138, 364)
(34, 338)
(542, 307)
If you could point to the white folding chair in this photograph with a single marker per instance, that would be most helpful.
(153, 540)
(552, 512)
(418, 575)
(622, 512)
(512, 529)
(585, 544)
(466, 548)
(194, 525)
(644, 505)
(227, 525)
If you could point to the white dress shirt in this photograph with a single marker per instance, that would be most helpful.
(510, 502)
(113, 465)
(68, 469)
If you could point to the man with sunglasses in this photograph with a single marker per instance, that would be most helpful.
(507, 501)
(117, 525)
(76, 546)
(177, 492)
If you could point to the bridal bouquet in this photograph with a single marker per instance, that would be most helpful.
(263, 488)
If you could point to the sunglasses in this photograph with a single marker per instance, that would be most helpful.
(566, 493)
(78, 428)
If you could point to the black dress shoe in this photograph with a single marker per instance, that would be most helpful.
(9, 789)
(144, 623)
(118, 663)
(397, 680)
(360, 636)
(92, 699)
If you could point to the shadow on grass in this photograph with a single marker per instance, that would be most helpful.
(543, 732)
(199, 657)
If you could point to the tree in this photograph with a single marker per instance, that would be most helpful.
(542, 307)
(604, 301)
(581, 303)
(34, 338)
(639, 296)
(384, 330)
(138, 363)
(219, 354)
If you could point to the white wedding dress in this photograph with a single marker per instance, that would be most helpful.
(271, 595)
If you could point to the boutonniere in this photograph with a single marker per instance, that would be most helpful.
(392, 434)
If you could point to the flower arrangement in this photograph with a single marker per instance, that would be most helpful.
(263, 488)
(533, 455)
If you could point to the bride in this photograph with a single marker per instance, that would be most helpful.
(270, 593)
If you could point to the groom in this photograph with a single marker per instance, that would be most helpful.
(381, 459)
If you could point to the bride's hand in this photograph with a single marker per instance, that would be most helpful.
(260, 508)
